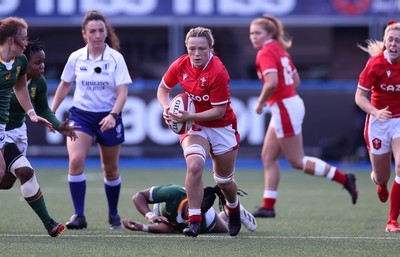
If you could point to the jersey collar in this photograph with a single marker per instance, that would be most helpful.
(386, 55)
(104, 56)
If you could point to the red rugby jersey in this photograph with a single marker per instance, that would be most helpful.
(207, 86)
(273, 58)
(382, 78)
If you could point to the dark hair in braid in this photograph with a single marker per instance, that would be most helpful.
(33, 46)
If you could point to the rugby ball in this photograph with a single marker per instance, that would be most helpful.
(181, 102)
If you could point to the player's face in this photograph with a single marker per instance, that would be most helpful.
(95, 33)
(392, 44)
(258, 35)
(20, 42)
(36, 64)
(198, 50)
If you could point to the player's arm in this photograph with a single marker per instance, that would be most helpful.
(362, 100)
(141, 201)
(215, 113)
(22, 94)
(41, 104)
(163, 95)
(156, 228)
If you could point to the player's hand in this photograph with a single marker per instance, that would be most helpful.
(68, 130)
(259, 107)
(158, 219)
(40, 120)
(383, 114)
(107, 123)
(132, 225)
(166, 115)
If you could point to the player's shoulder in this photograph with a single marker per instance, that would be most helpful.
(378, 63)
(182, 60)
(22, 59)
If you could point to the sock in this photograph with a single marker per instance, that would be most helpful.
(269, 199)
(269, 203)
(233, 207)
(339, 177)
(77, 189)
(37, 204)
(195, 215)
(394, 200)
(112, 189)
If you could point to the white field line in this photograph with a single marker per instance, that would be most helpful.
(206, 236)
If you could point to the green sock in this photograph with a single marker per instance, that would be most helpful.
(37, 204)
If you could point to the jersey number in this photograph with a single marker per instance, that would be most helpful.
(287, 71)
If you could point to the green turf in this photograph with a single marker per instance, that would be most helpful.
(315, 217)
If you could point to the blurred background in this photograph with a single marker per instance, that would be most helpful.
(325, 36)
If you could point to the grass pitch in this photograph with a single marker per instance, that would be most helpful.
(315, 217)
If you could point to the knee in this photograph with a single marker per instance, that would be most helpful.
(24, 174)
(195, 167)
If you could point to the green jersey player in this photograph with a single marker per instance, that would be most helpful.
(16, 137)
(170, 211)
(13, 64)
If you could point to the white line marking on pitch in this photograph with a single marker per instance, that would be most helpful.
(208, 236)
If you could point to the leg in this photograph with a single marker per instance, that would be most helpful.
(292, 148)
(112, 182)
(77, 152)
(195, 149)
(380, 175)
(392, 225)
(224, 168)
(270, 154)
(21, 168)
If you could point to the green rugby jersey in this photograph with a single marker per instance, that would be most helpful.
(37, 89)
(8, 77)
(173, 197)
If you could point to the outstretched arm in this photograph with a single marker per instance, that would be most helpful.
(156, 228)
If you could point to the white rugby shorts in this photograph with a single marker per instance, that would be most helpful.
(379, 134)
(287, 116)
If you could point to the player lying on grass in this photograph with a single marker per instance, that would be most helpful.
(170, 211)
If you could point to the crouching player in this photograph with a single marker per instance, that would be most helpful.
(170, 211)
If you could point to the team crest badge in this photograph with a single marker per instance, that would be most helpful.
(8, 76)
(377, 143)
(33, 92)
(203, 80)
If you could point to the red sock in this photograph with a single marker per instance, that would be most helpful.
(195, 218)
(394, 202)
(269, 203)
(340, 177)
(235, 209)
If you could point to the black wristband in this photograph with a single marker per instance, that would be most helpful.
(115, 115)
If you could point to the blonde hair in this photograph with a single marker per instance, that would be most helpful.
(274, 27)
(374, 47)
(201, 32)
